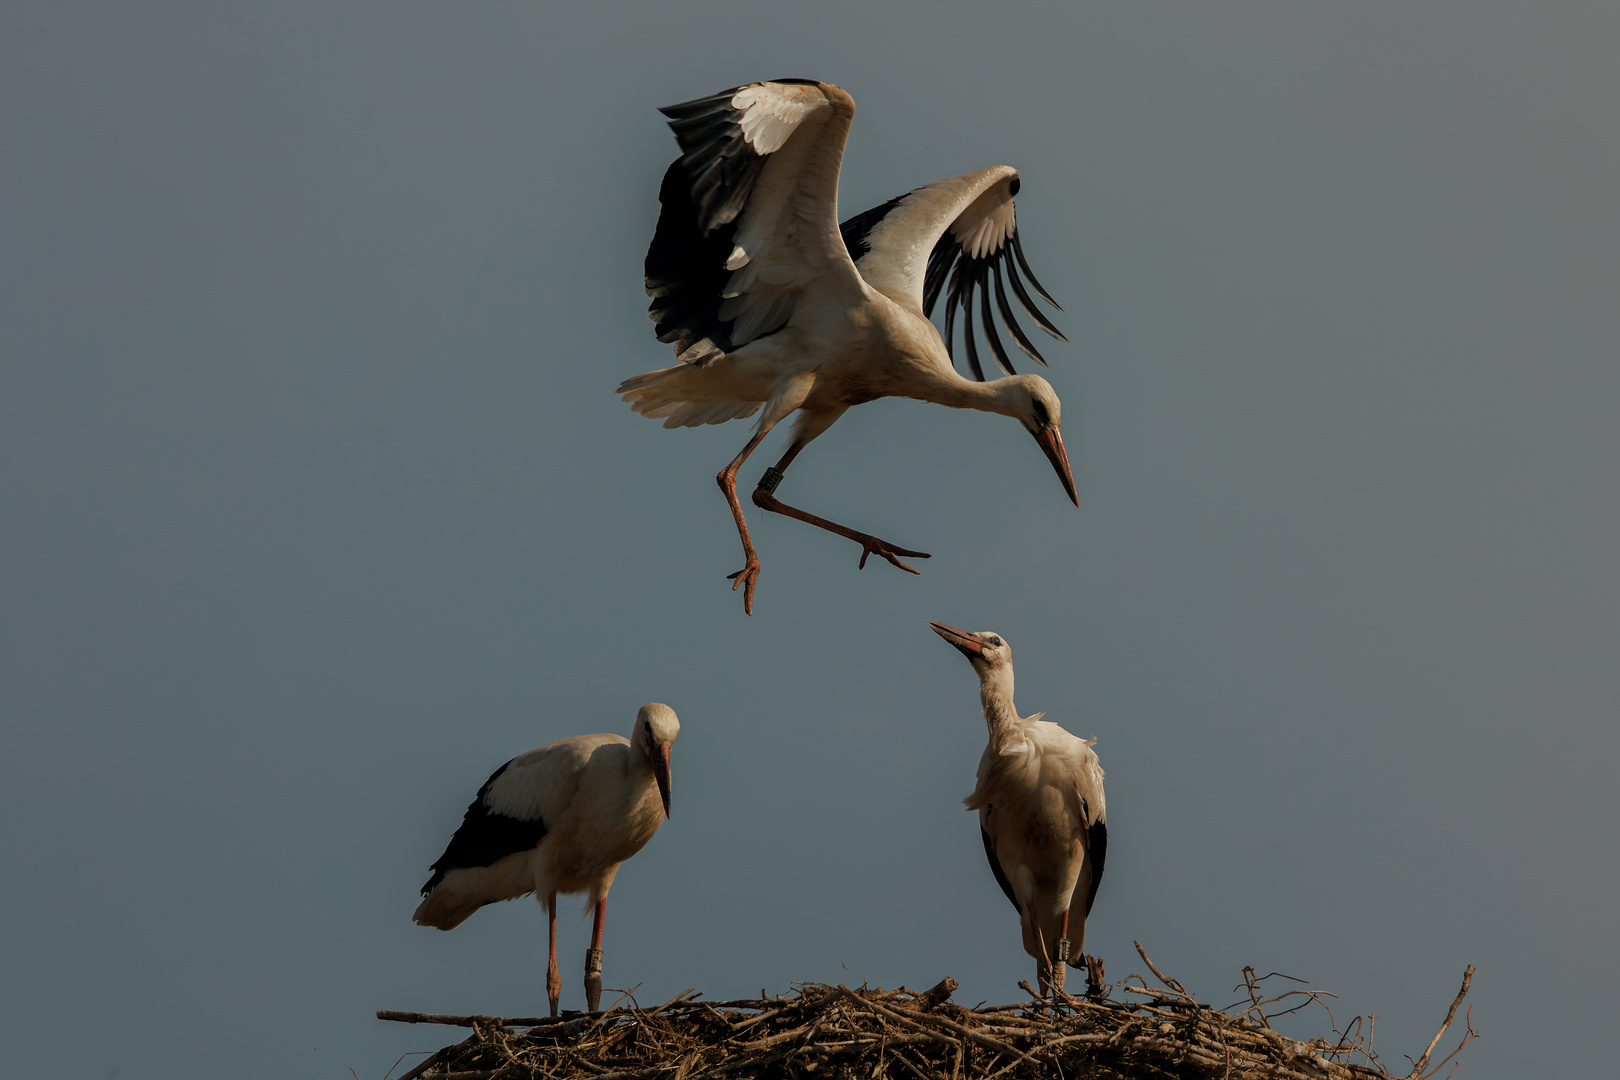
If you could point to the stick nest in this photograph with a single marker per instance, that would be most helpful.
(830, 1032)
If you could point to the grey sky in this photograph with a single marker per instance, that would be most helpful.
(318, 506)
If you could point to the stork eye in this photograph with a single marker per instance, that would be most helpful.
(1042, 417)
(996, 641)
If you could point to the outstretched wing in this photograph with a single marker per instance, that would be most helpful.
(957, 237)
(749, 218)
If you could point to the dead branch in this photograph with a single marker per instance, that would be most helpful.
(1451, 1014)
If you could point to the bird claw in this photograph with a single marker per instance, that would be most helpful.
(873, 546)
(747, 577)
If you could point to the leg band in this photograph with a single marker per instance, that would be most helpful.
(1062, 948)
(593, 960)
(768, 482)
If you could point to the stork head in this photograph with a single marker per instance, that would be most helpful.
(987, 651)
(656, 730)
(1037, 407)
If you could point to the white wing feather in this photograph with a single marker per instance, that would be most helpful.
(975, 206)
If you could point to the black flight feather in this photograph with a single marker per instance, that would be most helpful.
(701, 197)
(982, 283)
(956, 275)
(485, 838)
(1011, 323)
(1096, 853)
(995, 868)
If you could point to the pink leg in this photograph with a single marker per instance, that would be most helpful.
(765, 499)
(593, 961)
(748, 576)
(1060, 962)
(553, 977)
(1043, 959)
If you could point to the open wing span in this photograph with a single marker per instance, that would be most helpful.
(956, 237)
(749, 213)
(982, 247)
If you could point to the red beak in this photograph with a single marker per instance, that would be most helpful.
(1051, 440)
(661, 774)
(964, 641)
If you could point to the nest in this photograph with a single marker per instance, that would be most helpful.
(826, 1031)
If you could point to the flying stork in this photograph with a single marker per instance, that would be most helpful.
(1041, 812)
(773, 306)
(558, 819)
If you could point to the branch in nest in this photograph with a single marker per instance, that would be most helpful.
(1451, 1014)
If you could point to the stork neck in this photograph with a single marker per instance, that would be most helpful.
(955, 392)
(996, 693)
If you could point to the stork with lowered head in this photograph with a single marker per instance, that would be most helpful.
(558, 819)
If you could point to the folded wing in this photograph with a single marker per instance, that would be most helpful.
(515, 808)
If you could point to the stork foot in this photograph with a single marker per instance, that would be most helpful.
(747, 577)
(871, 545)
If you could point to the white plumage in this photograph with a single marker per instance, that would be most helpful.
(558, 819)
(1042, 813)
(774, 307)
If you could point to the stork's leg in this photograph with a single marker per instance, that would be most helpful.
(765, 498)
(593, 961)
(727, 479)
(1043, 959)
(1060, 952)
(553, 976)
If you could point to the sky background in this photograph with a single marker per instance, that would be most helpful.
(318, 505)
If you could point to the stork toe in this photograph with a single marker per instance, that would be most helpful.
(747, 577)
(873, 546)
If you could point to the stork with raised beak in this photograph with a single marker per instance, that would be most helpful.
(558, 819)
(773, 307)
(1041, 812)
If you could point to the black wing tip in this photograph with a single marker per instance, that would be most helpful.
(1097, 853)
(698, 104)
(953, 274)
(995, 868)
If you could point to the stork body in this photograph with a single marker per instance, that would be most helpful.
(1042, 814)
(558, 819)
(773, 307)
